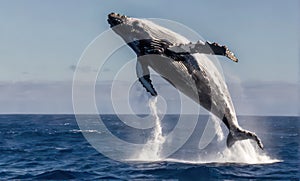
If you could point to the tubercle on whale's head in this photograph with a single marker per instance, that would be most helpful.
(116, 19)
(130, 29)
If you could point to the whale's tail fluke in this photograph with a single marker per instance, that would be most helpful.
(239, 134)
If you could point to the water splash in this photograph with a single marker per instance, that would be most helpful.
(241, 152)
(152, 149)
(244, 152)
(211, 129)
(218, 128)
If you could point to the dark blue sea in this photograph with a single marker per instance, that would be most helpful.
(52, 147)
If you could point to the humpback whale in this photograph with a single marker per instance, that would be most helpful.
(178, 61)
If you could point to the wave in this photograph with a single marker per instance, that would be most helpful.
(57, 175)
(85, 131)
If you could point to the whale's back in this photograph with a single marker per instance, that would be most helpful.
(161, 33)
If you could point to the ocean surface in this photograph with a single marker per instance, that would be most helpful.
(50, 147)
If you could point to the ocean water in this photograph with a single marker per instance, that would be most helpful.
(49, 147)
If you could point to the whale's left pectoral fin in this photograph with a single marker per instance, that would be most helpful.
(205, 48)
(143, 75)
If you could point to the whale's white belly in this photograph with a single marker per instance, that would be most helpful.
(212, 87)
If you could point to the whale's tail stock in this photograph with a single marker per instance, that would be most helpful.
(240, 134)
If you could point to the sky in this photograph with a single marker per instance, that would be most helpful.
(42, 41)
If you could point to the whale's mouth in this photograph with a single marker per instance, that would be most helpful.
(115, 19)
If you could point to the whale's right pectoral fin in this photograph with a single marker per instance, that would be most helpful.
(204, 48)
(143, 75)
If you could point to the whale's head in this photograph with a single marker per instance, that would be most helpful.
(130, 29)
(116, 19)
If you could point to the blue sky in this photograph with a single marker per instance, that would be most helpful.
(41, 41)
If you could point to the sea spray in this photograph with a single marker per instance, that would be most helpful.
(241, 152)
(245, 152)
(218, 128)
(211, 129)
(151, 150)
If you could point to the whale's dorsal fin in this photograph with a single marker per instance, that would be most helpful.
(205, 48)
(143, 75)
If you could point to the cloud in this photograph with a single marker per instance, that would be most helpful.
(25, 73)
(82, 69)
(35, 97)
(257, 98)
(265, 98)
